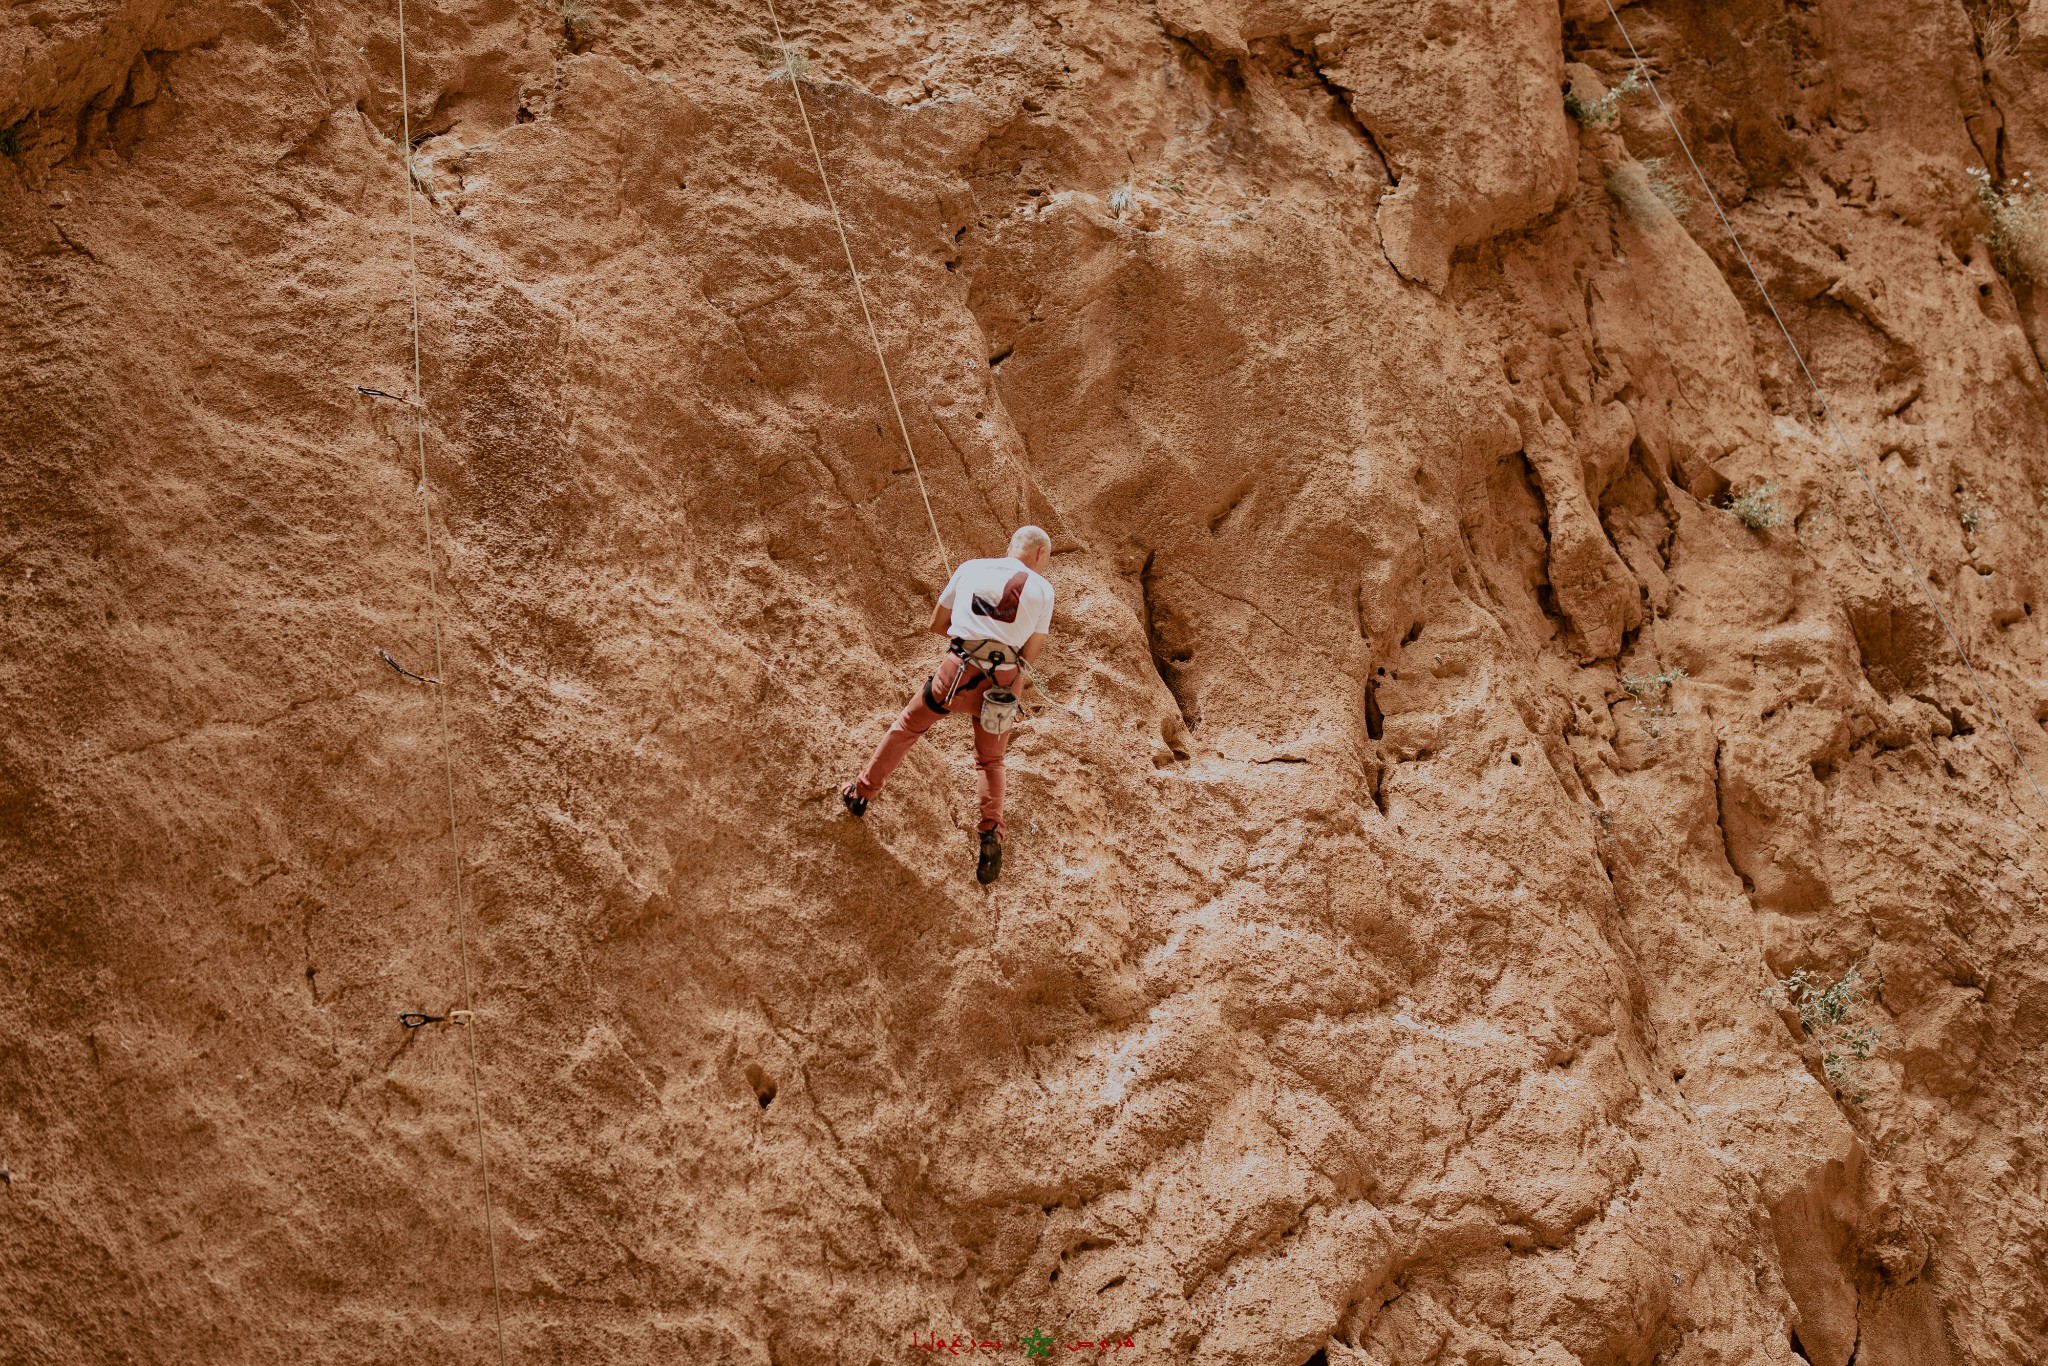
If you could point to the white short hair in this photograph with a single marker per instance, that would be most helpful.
(1027, 539)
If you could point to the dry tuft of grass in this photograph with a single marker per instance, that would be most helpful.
(1998, 40)
(1593, 113)
(2019, 224)
(579, 26)
(781, 59)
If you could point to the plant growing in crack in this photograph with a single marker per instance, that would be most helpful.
(1831, 1014)
(2019, 224)
(1973, 516)
(1652, 694)
(577, 24)
(1758, 510)
(1594, 113)
(1998, 39)
(1120, 200)
(1643, 187)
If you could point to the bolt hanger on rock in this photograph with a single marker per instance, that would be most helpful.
(415, 1019)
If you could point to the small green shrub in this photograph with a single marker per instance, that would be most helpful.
(1643, 187)
(1593, 113)
(1828, 1014)
(1649, 687)
(1757, 509)
(2019, 224)
(1120, 200)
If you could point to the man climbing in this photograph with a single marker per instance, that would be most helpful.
(992, 612)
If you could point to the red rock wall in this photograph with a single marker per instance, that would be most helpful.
(1373, 978)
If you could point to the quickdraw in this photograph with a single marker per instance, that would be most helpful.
(416, 1019)
(385, 655)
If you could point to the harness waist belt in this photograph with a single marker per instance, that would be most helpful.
(983, 654)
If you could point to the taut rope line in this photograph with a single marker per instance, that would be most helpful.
(419, 427)
(1828, 411)
(796, 88)
(874, 337)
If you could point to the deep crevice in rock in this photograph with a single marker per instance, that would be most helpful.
(1168, 638)
(1305, 59)
(1721, 825)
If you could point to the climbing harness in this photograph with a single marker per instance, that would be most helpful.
(988, 654)
(999, 704)
(419, 423)
(1828, 411)
(985, 655)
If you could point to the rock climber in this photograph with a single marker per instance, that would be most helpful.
(992, 612)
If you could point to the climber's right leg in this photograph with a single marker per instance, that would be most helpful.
(907, 729)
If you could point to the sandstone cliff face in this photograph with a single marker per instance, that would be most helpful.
(1375, 978)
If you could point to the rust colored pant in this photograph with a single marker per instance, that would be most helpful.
(956, 687)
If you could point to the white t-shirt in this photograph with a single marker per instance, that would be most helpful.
(998, 600)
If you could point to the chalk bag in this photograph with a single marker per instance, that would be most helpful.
(998, 710)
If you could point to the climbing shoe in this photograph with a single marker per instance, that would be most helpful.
(991, 858)
(855, 803)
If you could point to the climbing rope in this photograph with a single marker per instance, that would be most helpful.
(1038, 685)
(860, 291)
(419, 426)
(1828, 411)
(874, 337)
